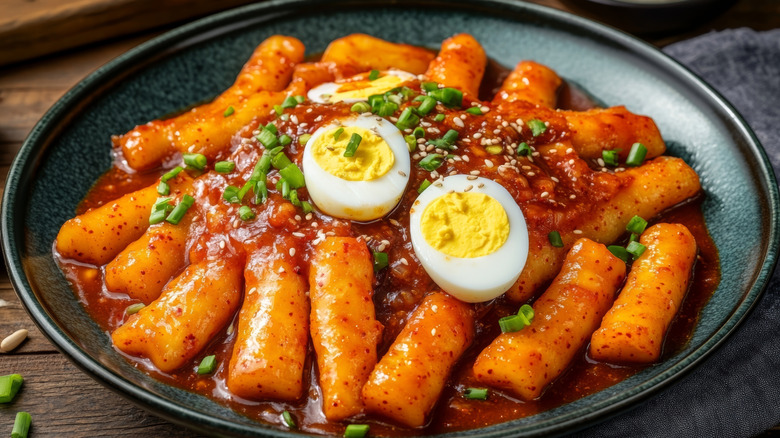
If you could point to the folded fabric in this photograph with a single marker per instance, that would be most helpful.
(736, 391)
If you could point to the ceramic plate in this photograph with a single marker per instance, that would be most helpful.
(70, 148)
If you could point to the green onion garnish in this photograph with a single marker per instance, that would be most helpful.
(636, 249)
(386, 109)
(229, 111)
(407, 119)
(177, 214)
(474, 110)
(244, 190)
(294, 198)
(429, 86)
(427, 105)
(288, 419)
(293, 175)
(380, 261)
(167, 176)
(636, 155)
(280, 161)
(300, 99)
(231, 195)
(537, 127)
(447, 96)
(163, 189)
(285, 139)
(555, 239)
(523, 149)
(411, 142)
(431, 162)
(224, 166)
(418, 132)
(264, 164)
(527, 311)
(307, 208)
(207, 365)
(271, 128)
(634, 237)
(267, 138)
(450, 136)
(304, 139)
(354, 142)
(636, 225)
(610, 157)
(290, 102)
(373, 75)
(360, 107)
(619, 252)
(9, 387)
(356, 431)
(134, 308)
(517, 322)
(246, 213)
(439, 118)
(159, 210)
(284, 188)
(196, 161)
(338, 133)
(261, 190)
(476, 393)
(21, 425)
(425, 184)
(278, 110)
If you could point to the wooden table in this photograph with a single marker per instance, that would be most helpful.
(64, 401)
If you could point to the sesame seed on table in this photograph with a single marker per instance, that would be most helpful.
(63, 400)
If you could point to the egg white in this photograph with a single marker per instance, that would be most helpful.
(359, 200)
(321, 93)
(475, 279)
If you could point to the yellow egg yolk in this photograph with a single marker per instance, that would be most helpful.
(363, 89)
(465, 225)
(373, 157)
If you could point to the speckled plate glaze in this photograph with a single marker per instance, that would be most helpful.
(70, 147)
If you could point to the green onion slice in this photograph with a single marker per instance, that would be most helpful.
(167, 176)
(288, 419)
(512, 323)
(523, 149)
(304, 139)
(338, 133)
(619, 252)
(290, 102)
(244, 190)
(425, 184)
(207, 365)
(231, 195)
(555, 239)
(293, 175)
(610, 157)
(636, 155)
(356, 431)
(476, 393)
(427, 105)
(537, 127)
(229, 111)
(261, 190)
(411, 142)
(636, 249)
(163, 189)
(280, 161)
(267, 138)
(634, 237)
(419, 132)
(447, 96)
(373, 75)
(134, 308)
(285, 139)
(278, 110)
(9, 387)
(21, 425)
(431, 162)
(474, 110)
(306, 206)
(354, 142)
(177, 214)
(380, 261)
(271, 128)
(429, 86)
(636, 225)
(300, 99)
(196, 161)
(246, 213)
(224, 166)
(407, 119)
(439, 118)
(360, 107)
(160, 208)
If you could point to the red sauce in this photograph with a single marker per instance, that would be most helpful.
(400, 287)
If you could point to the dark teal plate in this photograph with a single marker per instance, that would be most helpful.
(70, 148)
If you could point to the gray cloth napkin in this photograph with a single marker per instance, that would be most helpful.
(736, 391)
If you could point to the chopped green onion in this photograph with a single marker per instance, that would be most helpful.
(380, 261)
(280, 161)
(271, 128)
(439, 118)
(278, 110)
(293, 175)
(360, 107)
(411, 142)
(429, 86)
(207, 365)
(635, 249)
(338, 133)
(264, 164)
(171, 174)
(246, 213)
(224, 166)
(523, 149)
(134, 308)
(427, 105)
(244, 190)
(537, 127)
(356, 431)
(196, 161)
(425, 184)
(619, 252)
(290, 102)
(300, 99)
(177, 214)
(267, 138)
(527, 311)
(283, 187)
(260, 189)
(160, 208)
(304, 139)
(634, 237)
(21, 425)
(386, 109)
(373, 75)
(431, 162)
(285, 139)
(354, 142)
(636, 155)
(9, 387)
(231, 195)
(512, 323)
(476, 393)
(555, 239)
(419, 98)
(610, 157)
(294, 198)
(288, 419)
(450, 136)
(307, 208)
(229, 111)
(407, 119)
(163, 189)
(474, 110)
(636, 225)
(494, 149)
(418, 132)
(447, 96)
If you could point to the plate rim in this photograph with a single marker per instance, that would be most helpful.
(28, 158)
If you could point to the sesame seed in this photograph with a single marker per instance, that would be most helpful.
(531, 174)
(256, 132)
(292, 252)
(603, 169)
(454, 172)
(318, 119)
(468, 187)
(236, 223)
(574, 179)
(519, 122)
(488, 163)
(484, 109)
(430, 148)
(553, 151)
(466, 140)
(480, 185)
(294, 119)
(222, 244)
(421, 140)
(504, 123)
(570, 150)
(308, 110)
(400, 172)
(458, 122)
(393, 119)
(555, 179)
(281, 270)
(477, 135)
(571, 161)
(298, 218)
(573, 197)
(395, 223)
(497, 130)
(438, 184)
(601, 162)
(465, 157)
(577, 231)
(404, 261)
(463, 117)
(308, 217)
(297, 234)
(474, 172)
(423, 154)
(303, 125)
(544, 194)
(471, 177)
(315, 224)
(416, 156)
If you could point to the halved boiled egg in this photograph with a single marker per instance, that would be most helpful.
(470, 236)
(366, 185)
(359, 87)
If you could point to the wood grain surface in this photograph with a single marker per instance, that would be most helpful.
(63, 401)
